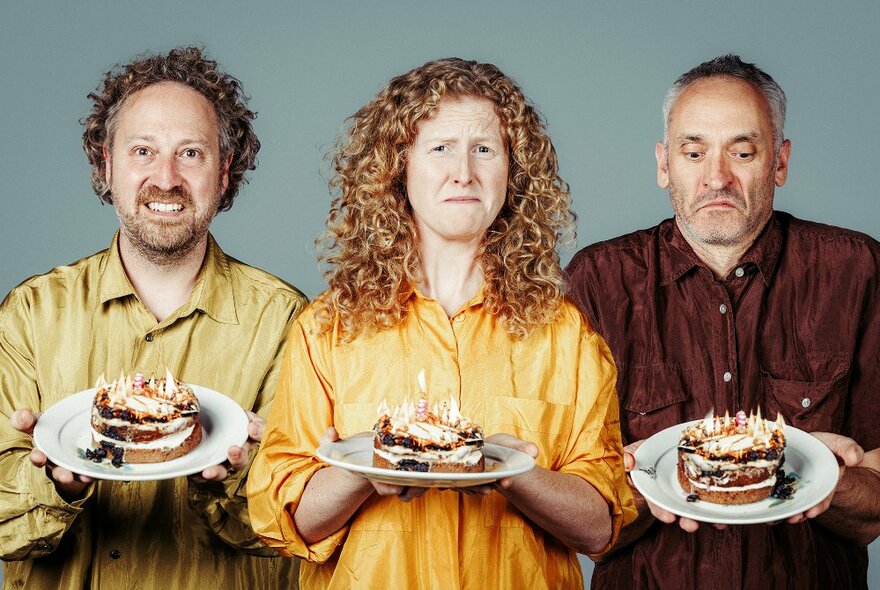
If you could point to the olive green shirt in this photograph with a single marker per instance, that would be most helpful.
(58, 333)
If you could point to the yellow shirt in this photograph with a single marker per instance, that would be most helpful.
(58, 333)
(555, 389)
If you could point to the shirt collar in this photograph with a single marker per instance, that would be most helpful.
(213, 292)
(677, 257)
(113, 283)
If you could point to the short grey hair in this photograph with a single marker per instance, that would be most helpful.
(731, 65)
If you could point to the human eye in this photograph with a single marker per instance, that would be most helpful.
(191, 153)
(743, 154)
(692, 152)
(141, 151)
(484, 149)
(440, 148)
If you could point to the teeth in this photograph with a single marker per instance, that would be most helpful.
(165, 207)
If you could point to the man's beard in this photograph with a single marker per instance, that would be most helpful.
(715, 228)
(164, 243)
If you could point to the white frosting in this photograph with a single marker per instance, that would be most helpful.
(705, 464)
(166, 442)
(163, 427)
(725, 435)
(463, 454)
(754, 486)
(428, 431)
(442, 426)
(155, 397)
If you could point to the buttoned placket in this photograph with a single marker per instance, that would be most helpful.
(461, 323)
(109, 550)
(721, 319)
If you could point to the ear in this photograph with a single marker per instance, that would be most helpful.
(105, 153)
(781, 173)
(224, 174)
(662, 165)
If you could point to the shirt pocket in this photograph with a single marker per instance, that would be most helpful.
(654, 397)
(355, 418)
(546, 424)
(810, 392)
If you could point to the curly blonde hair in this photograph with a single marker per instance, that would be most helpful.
(189, 66)
(370, 248)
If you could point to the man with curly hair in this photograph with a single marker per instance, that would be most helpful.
(442, 247)
(731, 305)
(169, 138)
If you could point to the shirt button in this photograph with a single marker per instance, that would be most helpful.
(722, 308)
(727, 376)
(459, 318)
(115, 554)
(148, 337)
(805, 402)
(739, 272)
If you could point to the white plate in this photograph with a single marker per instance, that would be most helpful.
(63, 433)
(356, 455)
(656, 478)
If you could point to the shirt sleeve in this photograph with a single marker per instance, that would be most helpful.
(223, 505)
(302, 412)
(595, 451)
(33, 516)
(581, 285)
(861, 418)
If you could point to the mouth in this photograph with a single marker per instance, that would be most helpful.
(462, 200)
(158, 207)
(718, 205)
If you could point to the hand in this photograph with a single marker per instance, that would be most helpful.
(688, 525)
(848, 453)
(405, 493)
(68, 484)
(509, 441)
(238, 458)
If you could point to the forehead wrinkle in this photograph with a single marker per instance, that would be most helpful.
(450, 137)
(698, 138)
(688, 138)
(152, 138)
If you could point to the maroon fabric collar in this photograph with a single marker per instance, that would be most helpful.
(677, 257)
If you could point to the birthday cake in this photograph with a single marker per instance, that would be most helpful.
(731, 460)
(413, 437)
(144, 421)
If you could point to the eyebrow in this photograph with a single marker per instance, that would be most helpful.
(696, 138)
(483, 137)
(150, 138)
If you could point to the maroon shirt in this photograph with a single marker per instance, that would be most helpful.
(794, 329)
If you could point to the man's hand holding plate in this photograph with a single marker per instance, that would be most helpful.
(69, 484)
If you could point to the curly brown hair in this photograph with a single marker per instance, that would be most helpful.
(188, 66)
(370, 248)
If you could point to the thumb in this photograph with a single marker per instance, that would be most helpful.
(629, 455)
(24, 421)
(330, 436)
(843, 447)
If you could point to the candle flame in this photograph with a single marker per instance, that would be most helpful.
(423, 386)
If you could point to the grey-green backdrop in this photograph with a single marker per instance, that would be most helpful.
(597, 71)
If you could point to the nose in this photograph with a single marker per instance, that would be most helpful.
(718, 174)
(462, 169)
(167, 175)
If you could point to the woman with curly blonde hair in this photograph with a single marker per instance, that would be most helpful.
(441, 253)
(372, 238)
